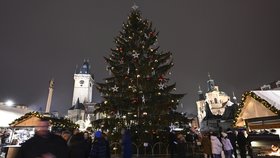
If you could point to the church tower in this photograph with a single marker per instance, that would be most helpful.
(213, 106)
(83, 84)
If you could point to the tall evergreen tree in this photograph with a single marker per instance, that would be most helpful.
(137, 95)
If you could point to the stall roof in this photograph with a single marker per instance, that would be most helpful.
(28, 122)
(257, 104)
(271, 96)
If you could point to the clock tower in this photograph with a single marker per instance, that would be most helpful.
(83, 83)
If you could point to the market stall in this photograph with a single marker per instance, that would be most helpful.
(264, 136)
(23, 128)
(259, 113)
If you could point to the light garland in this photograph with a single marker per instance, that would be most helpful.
(55, 122)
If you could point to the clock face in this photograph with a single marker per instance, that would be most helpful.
(82, 81)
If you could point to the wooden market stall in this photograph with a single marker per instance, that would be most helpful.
(259, 113)
(256, 104)
(24, 128)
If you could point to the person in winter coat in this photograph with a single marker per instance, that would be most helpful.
(78, 147)
(232, 137)
(206, 145)
(242, 142)
(172, 143)
(88, 140)
(181, 146)
(216, 146)
(100, 147)
(126, 144)
(227, 146)
(44, 144)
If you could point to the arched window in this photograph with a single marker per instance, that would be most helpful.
(216, 100)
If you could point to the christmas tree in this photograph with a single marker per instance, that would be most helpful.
(137, 95)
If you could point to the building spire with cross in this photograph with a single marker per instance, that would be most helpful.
(210, 83)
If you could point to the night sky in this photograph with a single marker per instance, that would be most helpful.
(238, 42)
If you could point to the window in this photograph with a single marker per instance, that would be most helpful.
(215, 100)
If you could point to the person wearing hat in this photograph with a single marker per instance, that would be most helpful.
(226, 145)
(100, 147)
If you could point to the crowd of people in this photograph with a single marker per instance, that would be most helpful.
(225, 144)
(69, 144)
(77, 144)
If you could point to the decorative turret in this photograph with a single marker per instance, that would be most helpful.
(200, 94)
(234, 99)
(210, 84)
(85, 68)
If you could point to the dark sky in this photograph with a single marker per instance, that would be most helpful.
(238, 42)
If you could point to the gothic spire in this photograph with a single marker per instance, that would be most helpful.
(85, 68)
(234, 98)
(200, 94)
(210, 83)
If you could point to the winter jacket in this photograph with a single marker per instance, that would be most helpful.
(78, 147)
(100, 148)
(206, 145)
(216, 145)
(226, 144)
(38, 146)
(126, 145)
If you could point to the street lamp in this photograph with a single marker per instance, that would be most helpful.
(9, 103)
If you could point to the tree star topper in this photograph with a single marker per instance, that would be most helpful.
(134, 7)
(115, 88)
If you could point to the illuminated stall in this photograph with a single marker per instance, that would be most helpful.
(24, 128)
(259, 113)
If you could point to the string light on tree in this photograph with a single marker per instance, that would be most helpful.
(143, 99)
(138, 70)
(128, 69)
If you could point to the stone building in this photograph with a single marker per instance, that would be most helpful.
(215, 109)
(82, 107)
